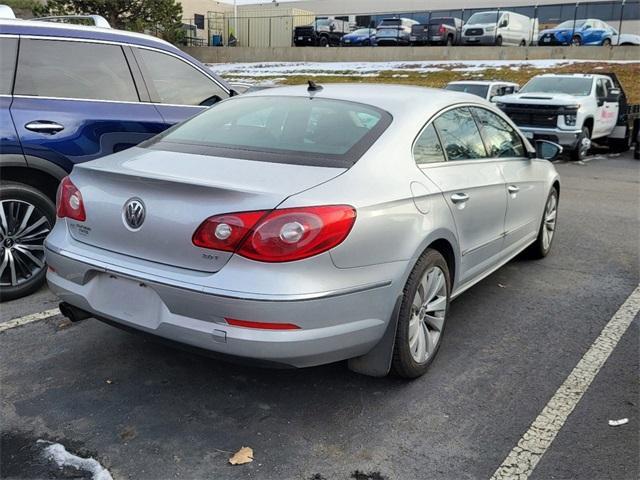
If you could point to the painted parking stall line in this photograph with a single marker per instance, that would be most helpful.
(524, 457)
(34, 317)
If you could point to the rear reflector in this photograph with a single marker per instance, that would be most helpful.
(261, 325)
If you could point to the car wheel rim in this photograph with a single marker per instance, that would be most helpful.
(585, 144)
(428, 312)
(23, 228)
(549, 226)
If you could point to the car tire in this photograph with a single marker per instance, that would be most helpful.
(498, 41)
(29, 270)
(583, 144)
(523, 43)
(323, 42)
(606, 42)
(419, 335)
(576, 40)
(546, 233)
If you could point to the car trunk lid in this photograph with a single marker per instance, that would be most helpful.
(178, 192)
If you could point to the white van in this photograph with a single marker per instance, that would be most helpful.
(497, 27)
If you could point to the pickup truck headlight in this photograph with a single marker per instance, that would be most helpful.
(570, 119)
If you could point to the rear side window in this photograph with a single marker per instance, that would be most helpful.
(8, 51)
(427, 148)
(299, 130)
(56, 68)
(501, 140)
(175, 82)
(460, 135)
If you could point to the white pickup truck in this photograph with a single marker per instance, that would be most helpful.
(572, 110)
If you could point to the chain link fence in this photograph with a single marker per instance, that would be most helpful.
(223, 29)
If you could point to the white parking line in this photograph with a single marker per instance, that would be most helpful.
(524, 457)
(34, 317)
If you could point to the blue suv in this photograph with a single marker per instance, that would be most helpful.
(69, 94)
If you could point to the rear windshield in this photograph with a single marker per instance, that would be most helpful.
(480, 90)
(299, 130)
(441, 21)
(571, 86)
(390, 22)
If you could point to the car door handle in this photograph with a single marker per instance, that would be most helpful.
(513, 189)
(459, 198)
(44, 126)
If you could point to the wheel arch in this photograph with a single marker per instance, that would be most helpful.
(39, 179)
(588, 122)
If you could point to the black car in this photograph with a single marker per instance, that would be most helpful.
(323, 32)
(439, 31)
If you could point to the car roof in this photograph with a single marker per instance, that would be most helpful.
(481, 82)
(401, 101)
(55, 29)
(572, 75)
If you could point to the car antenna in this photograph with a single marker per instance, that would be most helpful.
(313, 87)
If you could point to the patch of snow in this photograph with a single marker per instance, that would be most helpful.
(58, 454)
(285, 69)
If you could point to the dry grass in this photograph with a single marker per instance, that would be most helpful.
(628, 74)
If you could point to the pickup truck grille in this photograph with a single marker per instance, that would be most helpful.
(535, 115)
(474, 31)
(306, 31)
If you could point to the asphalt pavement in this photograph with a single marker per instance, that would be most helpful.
(148, 411)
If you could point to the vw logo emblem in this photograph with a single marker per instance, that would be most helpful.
(134, 213)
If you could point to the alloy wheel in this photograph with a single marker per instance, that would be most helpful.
(549, 225)
(23, 228)
(428, 312)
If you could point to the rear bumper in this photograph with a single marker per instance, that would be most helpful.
(332, 328)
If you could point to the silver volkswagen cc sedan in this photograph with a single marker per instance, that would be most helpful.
(301, 226)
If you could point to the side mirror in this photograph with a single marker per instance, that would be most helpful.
(547, 150)
(613, 96)
(503, 24)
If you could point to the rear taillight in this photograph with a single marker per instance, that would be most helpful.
(69, 201)
(441, 29)
(279, 235)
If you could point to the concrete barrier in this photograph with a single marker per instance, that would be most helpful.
(408, 54)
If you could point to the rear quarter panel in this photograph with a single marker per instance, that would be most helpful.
(389, 227)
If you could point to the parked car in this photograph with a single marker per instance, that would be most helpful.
(69, 94)
(572, 110)
(323, 32)
(299, 232)
(362, 37)
(439, 31)
(488, 89)
(589, 31)
(624, 39)
(394, 31)
(499, 27)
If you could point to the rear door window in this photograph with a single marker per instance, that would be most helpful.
(500, 139)
(8, 51)
(80, 70)
(427, 148)
(460, 135)
(173, 81)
